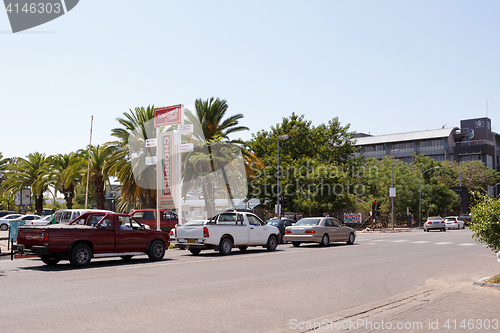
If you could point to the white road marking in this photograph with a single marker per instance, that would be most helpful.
(421, 242)
(400, 241)
(467, 244)
(444, 243)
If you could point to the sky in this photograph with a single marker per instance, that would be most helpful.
(381, 66)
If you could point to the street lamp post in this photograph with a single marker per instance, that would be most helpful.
(282, 137)
(420, 196)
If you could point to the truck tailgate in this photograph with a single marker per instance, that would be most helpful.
(30, 236)
(189, 232)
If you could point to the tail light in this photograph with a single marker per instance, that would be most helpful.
(46, 238)
(287, 231)
(172, 232)
(310, 231)
(205, 232)
(456, 222)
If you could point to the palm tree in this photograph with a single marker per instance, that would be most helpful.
(100, 164)
(65, 173)
(30, 172)
(128, 163)
(215, 150)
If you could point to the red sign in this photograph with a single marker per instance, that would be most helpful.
(169, 115)
(165, 169)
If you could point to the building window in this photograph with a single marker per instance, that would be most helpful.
(403, 147)
(472, 157)
(374, 150)
(437, 158)
(435, 144)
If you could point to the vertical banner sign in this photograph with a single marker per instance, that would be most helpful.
(165, 170)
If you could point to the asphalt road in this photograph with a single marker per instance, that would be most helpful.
(256, 291)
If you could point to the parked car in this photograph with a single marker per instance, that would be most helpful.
(453, 222)
(435, 222)
(168, 219)
(5, 224)
(466, 218)
(322, 230)
(92, 235)
(4, 221)
(42, 221)
(65, 216)
(281, 224)
(4, 213)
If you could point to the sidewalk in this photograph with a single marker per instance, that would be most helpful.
(438, 308)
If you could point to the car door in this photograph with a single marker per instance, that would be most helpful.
(104, 234)
(130, 237)
(257, 231)
(342, 231)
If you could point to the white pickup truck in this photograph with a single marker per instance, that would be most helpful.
(225, 231)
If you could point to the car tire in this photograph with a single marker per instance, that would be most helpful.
(4, 227)
(350, 240)
(296, 244)
(81, 255)
(195, 251)
(272, 243)
(243, 248)
(325, 241)
(50, 260)
(156, 250)
(225, 246)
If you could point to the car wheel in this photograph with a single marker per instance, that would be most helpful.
(350, 241)
(126, 258)
(325, 241)
(81, 255)
(243, 248)
(4, 227)
(156, 250)
(272, 243)
(225, 246)
(296, 244)
(50, 260)
(195, 251)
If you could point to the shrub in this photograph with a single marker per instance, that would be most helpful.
(486, 218)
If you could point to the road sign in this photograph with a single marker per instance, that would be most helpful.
(150, 160)
(185, 129)
(392, 192)
(169, 115)
(22, 197)
(183, 148)
(150, 143)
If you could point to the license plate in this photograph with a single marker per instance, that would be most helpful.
(437, 222)
(297, 231)
(191, 240)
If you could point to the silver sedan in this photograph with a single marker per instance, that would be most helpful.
(322, 230)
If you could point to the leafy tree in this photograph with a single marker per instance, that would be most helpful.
(65, 172)
(316, 165)
(486, 218)
(129, 159)
(30, 172)
(214, 150)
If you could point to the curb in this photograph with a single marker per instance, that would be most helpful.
(486, 284)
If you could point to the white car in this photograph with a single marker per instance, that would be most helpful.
(454, 222)
(4, 221)
(5, 224)
(42, 221)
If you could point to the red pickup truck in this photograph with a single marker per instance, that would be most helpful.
(92, 235)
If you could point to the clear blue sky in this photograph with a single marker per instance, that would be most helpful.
(381, 66)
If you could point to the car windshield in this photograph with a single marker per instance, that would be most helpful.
(273, 222)
(308, 222)
(200, 222)
(434, 218)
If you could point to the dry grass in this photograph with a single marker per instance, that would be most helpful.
(494, 279)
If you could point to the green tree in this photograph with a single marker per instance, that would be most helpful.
(30, 172)
(316, 166)
(214, 150)
(486, 218)
(65, 172)
(129, 159)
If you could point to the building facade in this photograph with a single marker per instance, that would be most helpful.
(474, 140)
